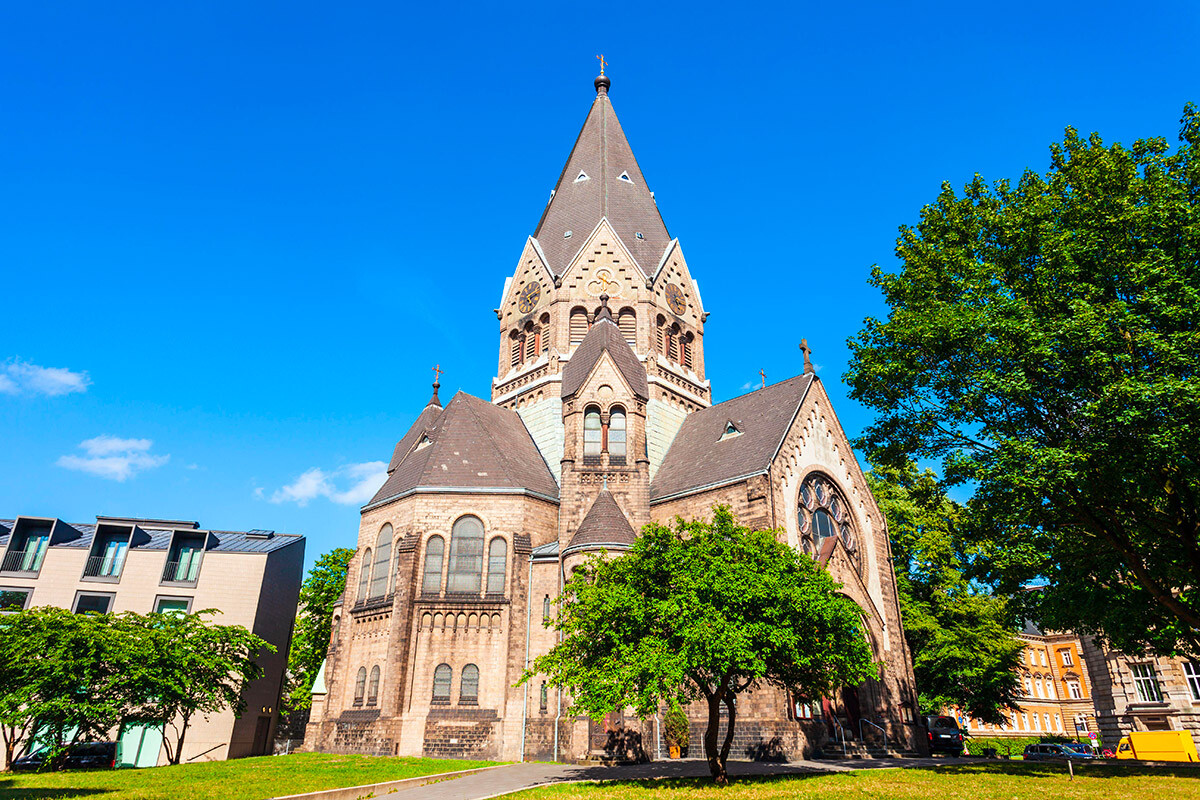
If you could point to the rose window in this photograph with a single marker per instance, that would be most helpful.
(823, 514)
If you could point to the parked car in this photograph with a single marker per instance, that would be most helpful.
(944, 735)
(1082, 747)
(1054, 752)
(85, 755)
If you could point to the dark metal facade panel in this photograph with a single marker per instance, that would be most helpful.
(699, 456)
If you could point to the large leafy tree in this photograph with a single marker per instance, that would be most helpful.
(1043, 343)
(961, 635)
(702, 611)
(319, 593)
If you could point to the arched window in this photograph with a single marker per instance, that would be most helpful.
(360, 686)
(433, 565)
(466, 556)
(616, 435)
(533, 342)
(659, 334)
(383, 560)
(497, 564)
(546, 610)
(518, 349)
(592, 434)
(373, 686)
(468, 693)
(627, 322)
(364, 574)
(443, 676)
(822, 514)
(687, 351)
(578, 326)
(544, 346)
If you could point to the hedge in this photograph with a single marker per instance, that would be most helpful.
(1008, 746)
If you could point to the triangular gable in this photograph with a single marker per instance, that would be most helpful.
(604, 337)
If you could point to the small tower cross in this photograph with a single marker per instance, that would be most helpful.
(437, 372)
(762, 374)
(808, 367)
(603, 63)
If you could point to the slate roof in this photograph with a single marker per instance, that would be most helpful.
(424, 420)
(160, 538)
(602, 153)
(604, 336)
(604, 525)
(473, 444)
(698, 457)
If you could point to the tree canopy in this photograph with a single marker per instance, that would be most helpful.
(961, 636)
(322, 588)
(1042, 343)
(702, 611)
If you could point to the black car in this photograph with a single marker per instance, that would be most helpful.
(85, 755)
(944, 735)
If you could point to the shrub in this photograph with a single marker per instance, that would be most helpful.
(675, 722)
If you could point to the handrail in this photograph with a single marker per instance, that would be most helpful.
(841, 734)
(861, 720)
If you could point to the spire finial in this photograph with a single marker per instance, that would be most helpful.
(602, 82)
(605, 312)
(437, 373)
(808, 367)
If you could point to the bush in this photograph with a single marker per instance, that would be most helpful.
(675, 722)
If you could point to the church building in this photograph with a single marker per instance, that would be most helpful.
(600, 420)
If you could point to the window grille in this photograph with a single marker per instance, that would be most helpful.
(466, 556)
(1146, 683)
(433, 565)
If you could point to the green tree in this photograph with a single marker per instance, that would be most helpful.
(1042, 343)
(322, 588)
(702, 611)
(965, 651)
(186, 667)
(16, 690)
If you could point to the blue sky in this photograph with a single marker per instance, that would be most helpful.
(235, 237)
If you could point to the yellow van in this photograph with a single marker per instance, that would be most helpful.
(1158, 746)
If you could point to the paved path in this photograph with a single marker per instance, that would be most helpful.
(495, 782)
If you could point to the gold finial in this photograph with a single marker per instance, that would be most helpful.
(603, 63)
(437, 372)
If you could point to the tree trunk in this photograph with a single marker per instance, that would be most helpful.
(716, 762)
(731, 707)
(179, 742)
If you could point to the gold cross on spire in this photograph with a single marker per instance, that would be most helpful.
(603, 63)
(762, 374)
(437, 372)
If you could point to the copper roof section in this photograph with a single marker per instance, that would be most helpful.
(603, 154)
(604, 525)
(473, 445)
(604, 336)
(698, 457)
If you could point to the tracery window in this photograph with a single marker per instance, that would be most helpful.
(443, 676)
(383, 560)
(497, 565)
(364, 575)
(466, 556)
(822, 514)
(373, 686)
(434, 550)
(468, 692)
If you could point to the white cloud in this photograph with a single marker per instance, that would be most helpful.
(114, 458)
(21, 377)
(747, 386)
(353, 484)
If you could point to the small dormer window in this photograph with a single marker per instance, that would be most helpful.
(624, 176)
(731, 430)
(640, 235)
(582, 176)
(423, 443)
(567, 235)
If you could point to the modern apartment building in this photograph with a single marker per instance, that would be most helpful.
(124, 564)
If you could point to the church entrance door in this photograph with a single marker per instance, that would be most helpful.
(853, 711)
(605, 735)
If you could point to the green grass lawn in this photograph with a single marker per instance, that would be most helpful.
(994, 781)
(240, 779)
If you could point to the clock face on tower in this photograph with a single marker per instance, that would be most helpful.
(527, 300)
(675, 299)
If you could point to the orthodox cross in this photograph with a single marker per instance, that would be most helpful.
(808, 367)
(603, 63)
(437, 372)
(763, 375)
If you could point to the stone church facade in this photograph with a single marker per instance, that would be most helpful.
(600, 421)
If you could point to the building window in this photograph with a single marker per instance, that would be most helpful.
(822, 515)
(578, 325)
(592, 434)
(468, 693)
(543, 698)
(172, 605)
(107, 555)
(1042, 656)
(497, 565)
(1028, 686)
(1058, 723)
(88, 603)
(1146, 683)
(1067, 660)
(14, 599)
(360, 686)
(433, 565)
(373, 686)
(442, 677)
(546, 610)
(518, 349)
(1074, 689)
(1024, 721)
(1051, 692)
(1191, 671)
(364, 575)
(616, 435)
(27, 549)
(466, 556)
(1046, 721)
(627, 322)
(183, 561)
(383, 562)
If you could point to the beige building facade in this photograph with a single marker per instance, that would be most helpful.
(143, 565)
(600, 420)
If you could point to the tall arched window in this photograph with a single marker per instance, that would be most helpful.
(578, 326)
(468, 693)
(383, 560)
(686, 343)
(433, 565)
(592, 433)
(518, 349)
(497, 565)
(546, 610)
(443, 676)
(533, 342)
(466, 556)
(627, 322)
(360, 686)
(373, 686)
(822, 515)
(616, 436)
(364, 574)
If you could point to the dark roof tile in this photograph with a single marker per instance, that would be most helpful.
(604, 525)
